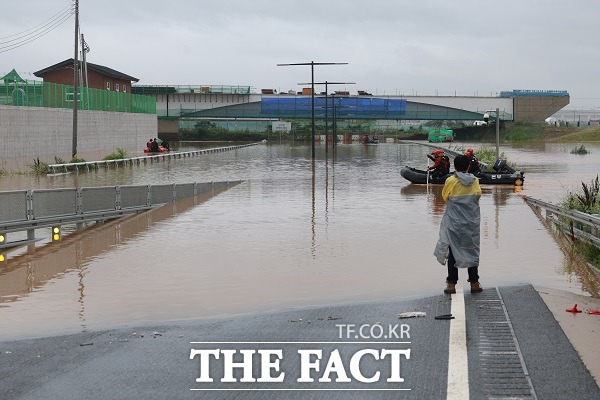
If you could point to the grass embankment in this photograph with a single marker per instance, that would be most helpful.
(588, 134)
(523, 132)
(588, 201)
(531, 132)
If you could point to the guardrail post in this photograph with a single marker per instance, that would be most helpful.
(29, 204)
(195, 188)
(118, 197)
(149, 196)
(78, 202)
(31, 234)
(174, 193)
(572, 231)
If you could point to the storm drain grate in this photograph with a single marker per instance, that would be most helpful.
(499, 361)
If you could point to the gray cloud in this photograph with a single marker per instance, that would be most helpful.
(468, 46)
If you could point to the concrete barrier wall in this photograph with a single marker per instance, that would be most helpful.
(31, 132)
(538, 108)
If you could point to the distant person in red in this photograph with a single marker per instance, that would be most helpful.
(474, 166)
(149, 144)
(441, 164)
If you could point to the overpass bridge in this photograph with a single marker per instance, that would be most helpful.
(239, 103)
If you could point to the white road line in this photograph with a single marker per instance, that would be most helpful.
(458, 366)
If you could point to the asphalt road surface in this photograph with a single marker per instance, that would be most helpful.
(502, 343)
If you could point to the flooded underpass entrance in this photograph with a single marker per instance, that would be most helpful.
(293, 234)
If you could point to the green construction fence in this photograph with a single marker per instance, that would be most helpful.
(55, 95)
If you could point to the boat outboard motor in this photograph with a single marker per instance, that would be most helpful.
(501, 167)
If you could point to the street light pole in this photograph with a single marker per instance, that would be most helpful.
(497, 133)
(326, 122)
(326, 83)
(312, 109)
(486, 119)
(312, 70)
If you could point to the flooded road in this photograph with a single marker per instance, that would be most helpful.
(293, 234)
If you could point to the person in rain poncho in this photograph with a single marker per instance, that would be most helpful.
(458, 243)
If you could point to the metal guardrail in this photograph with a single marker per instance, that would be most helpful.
(27, 210)
(138, 160)
(575, 223)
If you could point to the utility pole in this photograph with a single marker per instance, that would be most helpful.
(84, 50)
(75, 79)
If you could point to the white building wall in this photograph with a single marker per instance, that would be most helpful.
(31, 132)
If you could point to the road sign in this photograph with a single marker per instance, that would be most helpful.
(281, 126)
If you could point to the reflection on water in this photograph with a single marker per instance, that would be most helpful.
(294, 233)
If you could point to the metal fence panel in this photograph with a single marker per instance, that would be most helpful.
(160, 194)
(134, 196)
(54, 202)
(56, 95)
(183, 190)
(13, 206)
(205, 188)
(102, 198)
(220, 185)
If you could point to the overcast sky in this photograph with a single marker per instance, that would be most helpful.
(467, 46)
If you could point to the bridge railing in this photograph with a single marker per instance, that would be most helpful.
(87, 165)
(27, 210)
(574, 223)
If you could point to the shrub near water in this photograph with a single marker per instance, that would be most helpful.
(39, 167)
(487, 155)
(587, 201)
(118, 155)
(579, 150)
(591, 253)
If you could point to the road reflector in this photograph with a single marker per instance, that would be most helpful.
(55, 233)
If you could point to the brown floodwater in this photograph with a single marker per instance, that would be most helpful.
(293, 234)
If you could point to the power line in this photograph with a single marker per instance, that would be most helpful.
(69, 8)
(38, 35)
